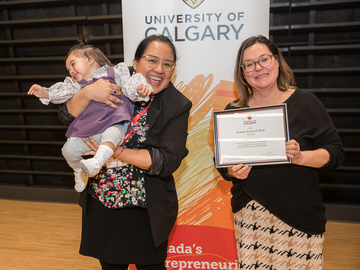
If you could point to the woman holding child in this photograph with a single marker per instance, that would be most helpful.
(129, 211)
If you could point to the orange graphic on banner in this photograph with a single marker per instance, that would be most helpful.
(203, 198)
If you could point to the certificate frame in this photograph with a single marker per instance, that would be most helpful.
(251, 136)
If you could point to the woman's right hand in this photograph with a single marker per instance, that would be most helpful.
(92, 144)
(239, 171)
(103, 91)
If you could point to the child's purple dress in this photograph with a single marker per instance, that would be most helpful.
(99, 116)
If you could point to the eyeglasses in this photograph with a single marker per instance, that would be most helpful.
(153, 62)
(264, 61)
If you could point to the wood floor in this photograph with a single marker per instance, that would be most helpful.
(45, 236)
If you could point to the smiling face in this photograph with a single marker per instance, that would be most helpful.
(80, 67)
(261, 77)
(156, 77)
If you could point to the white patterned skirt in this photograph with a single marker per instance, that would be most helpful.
(265, 242)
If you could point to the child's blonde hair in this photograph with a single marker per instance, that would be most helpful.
(84, 49)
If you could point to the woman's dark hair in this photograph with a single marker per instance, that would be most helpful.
(146, 41)
(84, 49)
(285, 79)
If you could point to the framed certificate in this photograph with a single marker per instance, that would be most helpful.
(251, 136)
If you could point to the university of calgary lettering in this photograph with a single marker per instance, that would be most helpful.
(194, 27)
(189, 18)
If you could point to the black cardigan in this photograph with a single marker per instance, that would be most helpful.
(292, 192)
(166, 141)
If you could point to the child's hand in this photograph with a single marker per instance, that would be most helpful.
(143, 90)
(38, 91)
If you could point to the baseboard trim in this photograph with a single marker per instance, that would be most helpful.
(342, 212)
(40, 194)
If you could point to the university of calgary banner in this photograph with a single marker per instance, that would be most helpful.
(207, 35)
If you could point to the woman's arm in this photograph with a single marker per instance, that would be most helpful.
(100, 91)
(165, 145)
(167, 139)
(311, 158)
(166, 149)
(314, 140)
(140, 158)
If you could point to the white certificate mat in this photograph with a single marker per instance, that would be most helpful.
(251, 136)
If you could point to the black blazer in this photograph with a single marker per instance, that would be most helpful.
(166, 140)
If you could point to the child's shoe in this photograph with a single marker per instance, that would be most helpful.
(90, 166)
(81, 180)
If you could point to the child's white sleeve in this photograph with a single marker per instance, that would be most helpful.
(129, 84)
(61, 92)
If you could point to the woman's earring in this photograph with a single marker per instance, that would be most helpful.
(134, 72)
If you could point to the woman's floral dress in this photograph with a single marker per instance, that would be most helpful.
(124, 186)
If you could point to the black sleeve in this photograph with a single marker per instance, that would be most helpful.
(225, 175)
(63, 114)
(171, 142)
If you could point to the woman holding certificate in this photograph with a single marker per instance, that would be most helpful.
(278, 210)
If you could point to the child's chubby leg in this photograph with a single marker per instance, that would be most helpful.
(110, 139)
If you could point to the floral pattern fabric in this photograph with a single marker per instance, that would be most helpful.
(123, 186)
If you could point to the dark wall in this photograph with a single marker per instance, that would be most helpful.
(320, 41)
(35, 37)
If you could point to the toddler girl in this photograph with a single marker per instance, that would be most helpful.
(108, 126)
